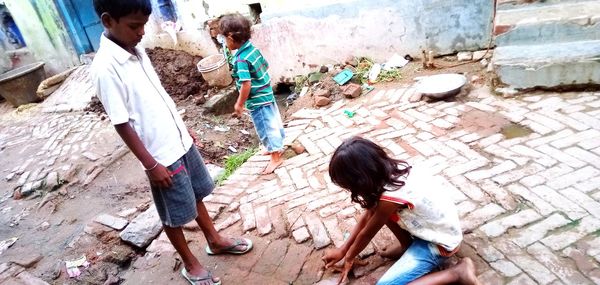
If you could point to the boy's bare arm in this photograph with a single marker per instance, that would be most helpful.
(159, 175)
(244, 94)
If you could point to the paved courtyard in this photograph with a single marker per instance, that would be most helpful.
(530, 205)
(524, 173)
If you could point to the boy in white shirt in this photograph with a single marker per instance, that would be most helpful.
(146, 118)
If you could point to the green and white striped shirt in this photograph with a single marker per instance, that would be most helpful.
(249, 65)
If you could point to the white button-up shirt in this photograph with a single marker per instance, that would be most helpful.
(131, 92)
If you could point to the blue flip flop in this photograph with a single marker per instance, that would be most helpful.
(194, 279)
(232, 248)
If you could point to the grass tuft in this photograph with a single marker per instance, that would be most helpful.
(233, 162)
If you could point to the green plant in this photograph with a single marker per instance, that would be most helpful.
(364, 66)
(300, 82)
(233, 162)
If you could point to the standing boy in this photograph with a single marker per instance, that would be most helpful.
(254, 85)
(146, 118)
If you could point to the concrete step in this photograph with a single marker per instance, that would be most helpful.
(548, 65)
(551, 23)
(512, 4)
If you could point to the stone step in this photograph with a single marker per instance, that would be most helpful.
(515, 4)
(551, 23)
(548, 65)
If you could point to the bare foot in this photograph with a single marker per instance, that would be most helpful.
(273, 164)
(393, 252)
(466, 272)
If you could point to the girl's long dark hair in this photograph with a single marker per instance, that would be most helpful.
(366, 170)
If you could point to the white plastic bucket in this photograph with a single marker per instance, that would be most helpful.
(215, 70)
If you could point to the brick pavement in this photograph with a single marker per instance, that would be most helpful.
(39, 151)
(529, 205)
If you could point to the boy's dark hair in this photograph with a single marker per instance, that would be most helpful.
(121, 8)
(236, 26)
(366, 170)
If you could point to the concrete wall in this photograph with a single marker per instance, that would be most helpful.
(44, 33)
(296, 34)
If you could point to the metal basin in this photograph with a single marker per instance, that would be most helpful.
(19, 86)
(441, 86)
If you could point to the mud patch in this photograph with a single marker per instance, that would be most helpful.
(515, 131)
(178, 73)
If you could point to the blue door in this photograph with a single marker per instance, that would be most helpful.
(83, 24)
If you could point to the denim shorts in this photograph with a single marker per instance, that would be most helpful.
(176, 205)
(420, 259)
(269, 127)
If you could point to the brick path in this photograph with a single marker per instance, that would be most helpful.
(530, 205)
(55, 141)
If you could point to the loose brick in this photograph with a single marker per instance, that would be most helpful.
(562, 269)
(537, 127)
(561, 240)
(310, 146)
(263, 221)
(469, 189)
(531, 266)
(500, 195)
(317, 230)
(466, 207)
(518, 220)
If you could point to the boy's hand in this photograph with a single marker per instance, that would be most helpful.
(238, 110)
(160, 177)
(332, 256)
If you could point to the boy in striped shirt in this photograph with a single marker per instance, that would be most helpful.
(254, 85)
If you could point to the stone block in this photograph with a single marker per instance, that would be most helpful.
(222, 102)
(464, 56)
(111, 221)
(143, 229)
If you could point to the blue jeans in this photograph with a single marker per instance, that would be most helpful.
(269, 127)
(420, 259)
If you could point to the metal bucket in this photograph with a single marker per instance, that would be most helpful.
(19, 86)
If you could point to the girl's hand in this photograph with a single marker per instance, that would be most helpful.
(346, 270)
(332, 256)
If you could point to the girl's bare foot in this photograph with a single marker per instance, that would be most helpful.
(276, 161)
(393, 252)
(466, 272)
